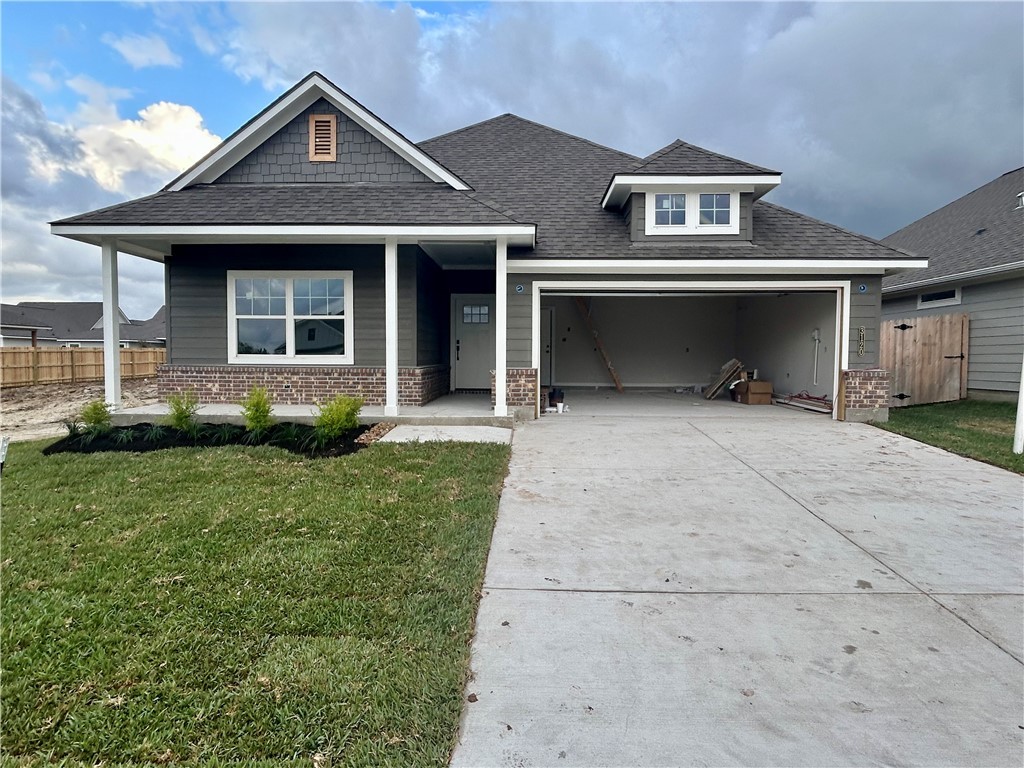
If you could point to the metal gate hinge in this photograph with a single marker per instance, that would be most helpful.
(902, 396)
(903, 327)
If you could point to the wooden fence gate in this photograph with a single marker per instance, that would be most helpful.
(927, 357)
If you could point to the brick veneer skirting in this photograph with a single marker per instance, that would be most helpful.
(866, 394)
(520, 387)
(298, 385)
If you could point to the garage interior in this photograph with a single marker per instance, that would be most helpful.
(681, 340)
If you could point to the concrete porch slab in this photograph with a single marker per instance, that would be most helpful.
(427, 433)
(451, 410)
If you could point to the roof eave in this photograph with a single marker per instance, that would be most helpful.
(974, 275)
(622, 185)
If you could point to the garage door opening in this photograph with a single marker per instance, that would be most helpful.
(679, 340)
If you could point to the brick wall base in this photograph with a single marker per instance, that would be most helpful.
(866, 395)
(520, 387)
(300, 385)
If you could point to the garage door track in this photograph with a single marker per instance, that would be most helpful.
(751, 586)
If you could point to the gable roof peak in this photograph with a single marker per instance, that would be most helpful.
(289, 105)
(683, 158)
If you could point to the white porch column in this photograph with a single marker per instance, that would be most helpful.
(111, 326)
(500, 326)
(391, 326)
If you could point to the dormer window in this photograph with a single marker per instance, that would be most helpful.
(714, 209)
(670, 209)
(671, 212)
(323, 138)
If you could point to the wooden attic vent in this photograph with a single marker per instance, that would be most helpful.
(323, 138)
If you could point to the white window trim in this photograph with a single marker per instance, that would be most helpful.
(692, 225)
(289, 359)
(950, 302)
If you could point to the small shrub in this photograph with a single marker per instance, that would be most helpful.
(256, 410)
(154, 433)
(336, 417)
(123, 436)
(73, 427)
(183, 410)
(224, 433)
(96, 417)
(289, 434)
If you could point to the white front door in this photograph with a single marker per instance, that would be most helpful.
(472, 340)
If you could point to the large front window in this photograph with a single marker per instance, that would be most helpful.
(298, 317)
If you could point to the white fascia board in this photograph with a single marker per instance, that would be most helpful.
(286, 110)
(955, 278)
(623, 184)
(520, 234)
(711, 266)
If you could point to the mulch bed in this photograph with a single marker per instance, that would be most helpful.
(141, 438)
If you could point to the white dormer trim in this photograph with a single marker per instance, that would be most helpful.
(284, 110)
(122, 320)
(623, 185)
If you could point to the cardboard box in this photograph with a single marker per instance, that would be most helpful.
(754, 392)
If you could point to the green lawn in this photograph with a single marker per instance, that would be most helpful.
(241, 604)
(977, 429)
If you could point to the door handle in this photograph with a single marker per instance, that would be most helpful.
(457, 346)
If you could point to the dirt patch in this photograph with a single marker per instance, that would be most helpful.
(33, 413)
(1000, 427)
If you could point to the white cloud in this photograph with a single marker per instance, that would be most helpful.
(50, 171)
(143, 50)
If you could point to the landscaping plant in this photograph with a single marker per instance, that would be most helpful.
(96, 417)
(256, 409)
(183, 410)
(337, 416)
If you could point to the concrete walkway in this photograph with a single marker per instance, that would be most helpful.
(705, 587)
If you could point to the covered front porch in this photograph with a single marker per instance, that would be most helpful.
(397, 348)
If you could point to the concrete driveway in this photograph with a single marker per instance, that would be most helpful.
(747, 586)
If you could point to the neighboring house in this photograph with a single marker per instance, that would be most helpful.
(975, 252)
(456, 264)
(73, 324)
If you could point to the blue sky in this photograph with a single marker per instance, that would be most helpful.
(876, 113)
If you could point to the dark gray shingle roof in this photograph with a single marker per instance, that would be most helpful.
(983, 229)
(688, 159)
(557, 181)
(74, 321)
(311, 203)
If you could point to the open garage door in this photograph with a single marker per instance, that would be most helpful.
(679, 339)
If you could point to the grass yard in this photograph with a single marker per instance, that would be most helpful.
(241, 604)
(978, 429)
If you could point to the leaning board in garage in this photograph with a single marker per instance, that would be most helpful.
(927, 357)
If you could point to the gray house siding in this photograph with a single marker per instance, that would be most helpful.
(865, 311)
(197, 290)
(636, 213)
(433, 317)
(996, 341)
(285, 156)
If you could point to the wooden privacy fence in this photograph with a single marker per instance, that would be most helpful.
(22, 366)
(927, 357)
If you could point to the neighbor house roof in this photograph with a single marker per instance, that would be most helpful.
(76, 321)
(557, 181)
(981, 233)
(680, 158)
(300, 203)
